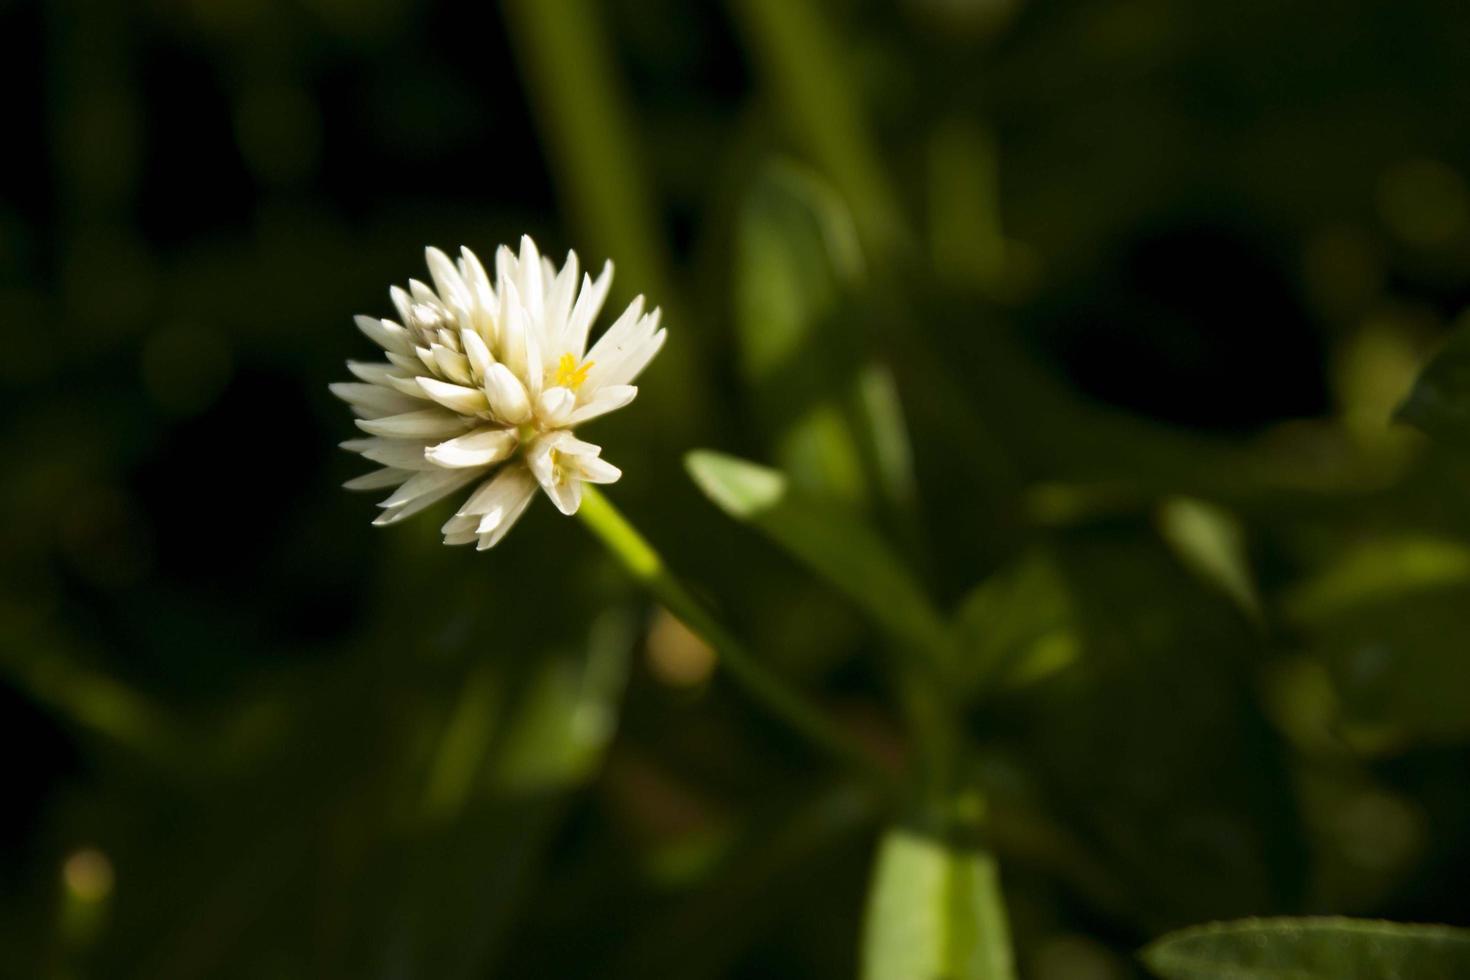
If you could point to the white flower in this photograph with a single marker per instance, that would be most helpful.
(484, 383)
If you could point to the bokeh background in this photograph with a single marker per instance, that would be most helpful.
(1123, 293)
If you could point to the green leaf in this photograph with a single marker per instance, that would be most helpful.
(1439, 403)
(1311, 949)
(841, 549)
(1386, 617)
(1379, 570)
(935, 913)
(796, 257)
(1211, 543)
(797, 53)
(1165, 679)
(1017, 626)
(567, 715)
(796, 251)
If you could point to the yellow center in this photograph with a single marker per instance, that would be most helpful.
(570, 374)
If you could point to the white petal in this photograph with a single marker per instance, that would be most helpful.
(477, 352)
(625, 350)
(584, 312)
(423, 490)
(636, 360)
(617, 334)
(465, 401)
(385, 333)
(446, 277)
(402, 301)
(608, 398)
(559, 296)
(460, 530)
(583, 461)
(423, 294)
(373, 372)
(408, 361)
(533, 293)
(556, 472)
(555, 406)
(473, 272)
(428, 423)
(513, 328)
(410, 386)
(505, 270)
(535, 349)
(377, 479)
(566, 493)
(373, 401)
(461, 522)
(427, 317)
(402, 454)
(479, 448)
(572, 446)
(507, 396)
(508, 485)
(521, 342)
(496, 505)
(452, 364)
(489, 538)
(539, 458)
(594, 469)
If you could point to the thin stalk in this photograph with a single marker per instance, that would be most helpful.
(588, 127)
(646, 566)
(798, 56)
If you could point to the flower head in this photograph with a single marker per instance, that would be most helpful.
(485, 381)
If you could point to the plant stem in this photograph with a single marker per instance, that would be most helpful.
(647, 567)
(798, 57)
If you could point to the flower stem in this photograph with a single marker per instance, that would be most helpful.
(636, 555)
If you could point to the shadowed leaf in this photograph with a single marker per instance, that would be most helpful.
(1311, 949)
(842, 550)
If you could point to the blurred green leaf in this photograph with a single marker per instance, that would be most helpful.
(568, 714)
(1388, 617)
(935, 913)
(839, 548)
(1017, 626)
(965, 235)
(837, 425)
(1439, 403)
(796, 250)
(1311, 949)
(883, 423)
(800, 56)
(466, 739)
(1151, 745)
(495, 804)
(1401, 664)
(49, 667)
(1211, 543)
(1377, 570)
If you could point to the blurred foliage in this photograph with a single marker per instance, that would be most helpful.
(1263, 949)
(1069, 337)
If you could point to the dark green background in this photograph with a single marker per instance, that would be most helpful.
(1115, 254)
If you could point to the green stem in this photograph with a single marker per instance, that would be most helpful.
(647, 567)
(798, 56)
(587, 125)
